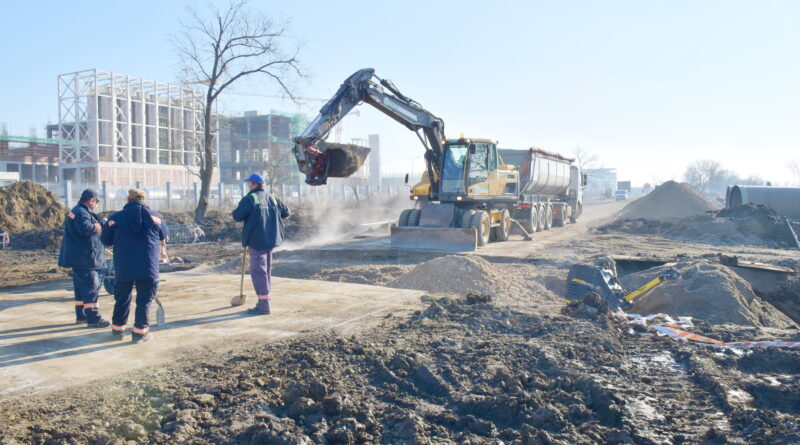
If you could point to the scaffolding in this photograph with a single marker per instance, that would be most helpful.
(105, 117)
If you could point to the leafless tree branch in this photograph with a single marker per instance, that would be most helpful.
(219, 49)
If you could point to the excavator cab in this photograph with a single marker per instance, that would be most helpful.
(472, 168)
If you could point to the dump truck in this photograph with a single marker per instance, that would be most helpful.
(468, 195)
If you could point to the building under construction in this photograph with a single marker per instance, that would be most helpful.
(34, 159)
(125, 130)
(259, 143)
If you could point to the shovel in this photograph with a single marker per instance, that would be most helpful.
(240, 299)
(161, 318)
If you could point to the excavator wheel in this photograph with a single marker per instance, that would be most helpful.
(480, 220)
(403, 219)
(501, 231)
(540, 217)
(466, 219)
(413, 217)
(548, 216)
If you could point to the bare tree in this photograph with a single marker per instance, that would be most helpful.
(223, 48)
(584, 159)
(794, 167)
(276, 168)
(704, 172)
(354, 182)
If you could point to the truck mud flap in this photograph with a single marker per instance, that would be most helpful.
(445, 239)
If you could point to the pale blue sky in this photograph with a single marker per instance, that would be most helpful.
(647, 85)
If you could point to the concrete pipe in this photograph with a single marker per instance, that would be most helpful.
(784, 200)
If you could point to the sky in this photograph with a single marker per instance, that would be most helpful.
(647, 86)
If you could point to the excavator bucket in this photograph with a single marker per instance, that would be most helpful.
(342, 159)
(445, 239)
(583, 279)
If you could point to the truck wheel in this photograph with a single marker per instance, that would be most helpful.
(413, 217)
(576, 211)
(540, 217)
(527, 218)
(480, 220)
(548, 216)
(501, 231)
(403, 219)
(559, 218)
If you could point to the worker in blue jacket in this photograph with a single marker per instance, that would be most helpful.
(82, 250)
(263, 216)
(137, 234)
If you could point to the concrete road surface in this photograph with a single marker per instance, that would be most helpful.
(594, 213)
(41, 349)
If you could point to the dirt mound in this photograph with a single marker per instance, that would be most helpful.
(456, 372)
(707, 291)
(26, 205)
(363, 274)
(670, 200)
(463, 274)
(751, 224)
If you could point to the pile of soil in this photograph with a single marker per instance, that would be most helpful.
(751, 224)
(456, 372)
(670, 200)
(463, 274)
(707, 291)
(26, 205)
(375, 274)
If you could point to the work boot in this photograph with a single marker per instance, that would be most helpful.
(100, 323)
(141, 338)
(80, 320)
(117, 335)
(257, 311)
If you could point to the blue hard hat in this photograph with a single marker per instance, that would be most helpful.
(89, 194)
(255, 177)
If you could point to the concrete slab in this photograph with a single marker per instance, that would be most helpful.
(41, 349)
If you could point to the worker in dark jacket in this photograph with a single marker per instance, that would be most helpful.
(136, 232)
(263, 216)
(82, 251)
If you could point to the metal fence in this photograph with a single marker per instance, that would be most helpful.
(169, 198)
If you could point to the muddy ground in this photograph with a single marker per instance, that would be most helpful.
(468, 368)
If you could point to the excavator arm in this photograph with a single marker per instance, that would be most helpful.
(320, 160)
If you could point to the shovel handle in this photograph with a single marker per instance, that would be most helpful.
(244, 262)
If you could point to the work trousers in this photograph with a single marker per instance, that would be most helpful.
(87, 287)
(261, 274)
(145, 292)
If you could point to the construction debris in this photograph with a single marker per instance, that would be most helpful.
(707, 291)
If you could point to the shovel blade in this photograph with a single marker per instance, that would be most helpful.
(161, 318)
(445, 239)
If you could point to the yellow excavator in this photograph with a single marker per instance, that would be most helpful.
(468, 195)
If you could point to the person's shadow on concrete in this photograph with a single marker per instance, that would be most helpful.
(32, 351)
